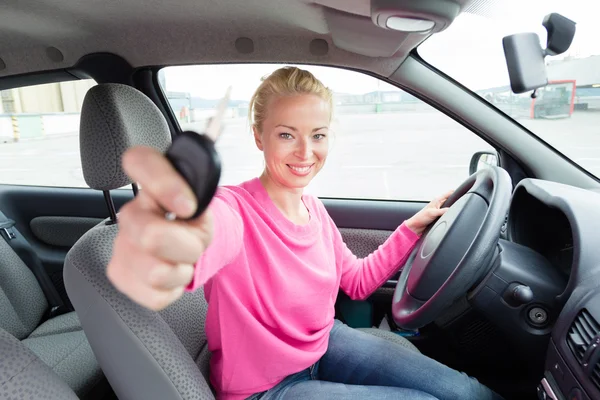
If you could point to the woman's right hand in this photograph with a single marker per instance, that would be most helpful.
(153, 258)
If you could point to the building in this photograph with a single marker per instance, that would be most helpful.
(42, 110)
(586, 74)
(376, 97)
(63, 97)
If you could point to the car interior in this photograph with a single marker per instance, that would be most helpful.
(506, 287)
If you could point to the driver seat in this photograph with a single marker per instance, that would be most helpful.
(144, 354)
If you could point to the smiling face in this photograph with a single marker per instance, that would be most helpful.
(294, 139)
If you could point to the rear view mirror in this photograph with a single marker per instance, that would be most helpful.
(481, 160)
(525, 62)
(525, 58)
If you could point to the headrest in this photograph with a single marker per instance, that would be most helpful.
(114, 118)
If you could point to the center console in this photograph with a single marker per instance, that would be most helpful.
(573, 361)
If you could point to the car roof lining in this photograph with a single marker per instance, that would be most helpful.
(180, 32)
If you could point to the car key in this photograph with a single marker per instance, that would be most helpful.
(195, 157)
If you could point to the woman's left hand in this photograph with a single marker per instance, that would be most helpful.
(421, 220)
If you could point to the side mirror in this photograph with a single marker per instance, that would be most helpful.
(482, 159)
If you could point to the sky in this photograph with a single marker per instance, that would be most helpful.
(470, 51)
(210, 81)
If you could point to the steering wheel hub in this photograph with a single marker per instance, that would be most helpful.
(433, 239)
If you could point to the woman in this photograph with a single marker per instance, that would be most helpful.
(271, 262)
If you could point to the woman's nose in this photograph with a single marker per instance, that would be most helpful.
(304, 149)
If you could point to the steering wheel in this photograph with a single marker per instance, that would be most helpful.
(454, 253)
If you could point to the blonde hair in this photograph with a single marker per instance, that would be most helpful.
(286, 81)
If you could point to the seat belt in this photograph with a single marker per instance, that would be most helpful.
(23, 249)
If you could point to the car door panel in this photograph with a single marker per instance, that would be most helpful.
(61, 231)
(52, 219)
(370, 214)
(365, 225)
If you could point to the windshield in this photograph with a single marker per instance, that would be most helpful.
(566, 113)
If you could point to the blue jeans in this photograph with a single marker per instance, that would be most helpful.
(358, 365)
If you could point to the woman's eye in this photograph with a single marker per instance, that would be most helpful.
(285, 136)
(319, 136)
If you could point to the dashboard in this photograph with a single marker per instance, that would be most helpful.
(541, 227)
(545, 284)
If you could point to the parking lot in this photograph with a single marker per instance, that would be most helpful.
(407, 155)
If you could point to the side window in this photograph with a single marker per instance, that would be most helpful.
(39, 134)
(386, 143)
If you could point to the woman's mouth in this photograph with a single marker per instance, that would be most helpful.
(300, 170)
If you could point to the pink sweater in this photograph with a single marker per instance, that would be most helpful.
(271, 286)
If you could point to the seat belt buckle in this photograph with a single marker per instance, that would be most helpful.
(8, 233)
(6, 226)
(56, 311)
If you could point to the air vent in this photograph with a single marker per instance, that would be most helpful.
(504, 226)
(596, 375)
(582, 332)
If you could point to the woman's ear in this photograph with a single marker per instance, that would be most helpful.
(257, 138)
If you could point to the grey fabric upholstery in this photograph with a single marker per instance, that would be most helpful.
(392, 337)
(59, 342)
(203, 363)
(22, 302)
(133, 344)
(70, 356)
(115, 117)
(64, 323)
(61, 231)
(363, 242)
(23, 376)
(144, 354)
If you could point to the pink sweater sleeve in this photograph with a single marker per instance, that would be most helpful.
(228, 231)
(361, 277)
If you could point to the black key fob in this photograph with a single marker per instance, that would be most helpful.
(194, 156)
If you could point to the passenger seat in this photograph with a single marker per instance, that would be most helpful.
(23, 376)
(59, 342)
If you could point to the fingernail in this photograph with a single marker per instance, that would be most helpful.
(185, 205)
